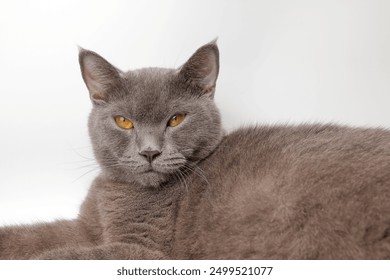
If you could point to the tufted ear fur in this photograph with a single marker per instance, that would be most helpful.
(202, 68)
(101, 78)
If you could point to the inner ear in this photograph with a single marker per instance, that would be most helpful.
(203, 67)
(94, 87)
(101, 78)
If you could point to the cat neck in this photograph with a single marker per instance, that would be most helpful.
(136, 214)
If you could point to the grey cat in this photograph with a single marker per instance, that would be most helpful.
(173, 186)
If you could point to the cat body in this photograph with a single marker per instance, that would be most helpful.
(305, 192)
(173, 186)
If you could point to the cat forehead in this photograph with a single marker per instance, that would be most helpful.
(151, 93)
(150, 84)
(149, 78)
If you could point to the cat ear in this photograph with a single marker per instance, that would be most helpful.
(101, 78)
(202, 68)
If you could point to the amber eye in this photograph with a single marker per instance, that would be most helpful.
(124, 123)
(176, 120)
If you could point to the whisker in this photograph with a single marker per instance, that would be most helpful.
(79, 161)
(184, 180)
(84, 157)
(128, 161)
(178, 157)
(92, 170)
(197, 171)
(173, 164)
(178, 178)
(85, 166)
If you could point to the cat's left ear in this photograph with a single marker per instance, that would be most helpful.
(202, 69)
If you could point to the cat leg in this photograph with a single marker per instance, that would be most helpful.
(23, 242)
(113, 251)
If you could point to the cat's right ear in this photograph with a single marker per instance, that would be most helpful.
(101, 78)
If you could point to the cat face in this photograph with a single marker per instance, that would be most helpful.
(151, 125)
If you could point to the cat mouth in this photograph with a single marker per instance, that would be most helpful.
(160, 169)
(150, 170)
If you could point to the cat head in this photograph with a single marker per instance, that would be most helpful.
(151, 125)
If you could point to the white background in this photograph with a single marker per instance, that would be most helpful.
(281, 270)
(281, 62)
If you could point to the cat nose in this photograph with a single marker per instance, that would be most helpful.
(150, 155)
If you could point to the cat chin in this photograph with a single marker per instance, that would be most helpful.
(152, 179)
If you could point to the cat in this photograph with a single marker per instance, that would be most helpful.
(173, 185)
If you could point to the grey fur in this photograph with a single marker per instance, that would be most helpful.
(281, 192)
